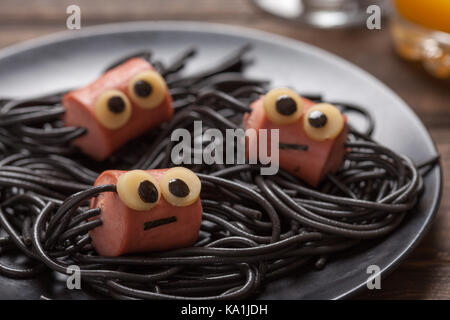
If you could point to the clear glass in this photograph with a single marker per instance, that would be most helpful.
(321, 13)
(420, 33)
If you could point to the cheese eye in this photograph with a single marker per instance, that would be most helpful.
(283, 106)
(180, 186)
(147, 89)
(323, 121)
(138, 190)
(112, 109)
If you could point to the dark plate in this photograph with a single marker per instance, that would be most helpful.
(75, 58)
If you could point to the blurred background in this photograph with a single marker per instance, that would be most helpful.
(416, 30)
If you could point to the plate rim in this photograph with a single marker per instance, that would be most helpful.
(275, 39)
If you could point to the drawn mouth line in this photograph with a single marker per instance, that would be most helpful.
(301, 147)
(159, 222)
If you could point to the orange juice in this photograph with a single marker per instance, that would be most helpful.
(421, 32)
(433, 14)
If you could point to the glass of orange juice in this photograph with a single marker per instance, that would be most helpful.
(421, 32)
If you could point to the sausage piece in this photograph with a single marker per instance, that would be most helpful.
(126, 230)
(100, 141)
(311, 165)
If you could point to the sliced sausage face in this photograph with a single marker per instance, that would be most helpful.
(120, 105)
(139, 217)
(311, 136)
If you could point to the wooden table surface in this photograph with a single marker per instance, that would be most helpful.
(426, 273)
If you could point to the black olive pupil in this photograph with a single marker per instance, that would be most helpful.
(285, 105)
(148, 192)
(142, 88)
(317, 119)
(116, 104)
(178, 188)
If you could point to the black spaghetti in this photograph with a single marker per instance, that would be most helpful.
(254, 228)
